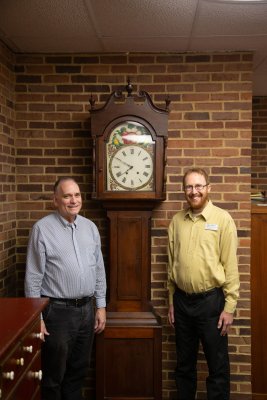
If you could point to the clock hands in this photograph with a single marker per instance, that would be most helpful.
(123, 162)
(131, 168)
(125, 172)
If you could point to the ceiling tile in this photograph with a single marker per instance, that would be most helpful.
(216, 18)
(139, 18)
(50, 18)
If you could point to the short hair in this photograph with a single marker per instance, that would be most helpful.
(199, 171)
(62, 179)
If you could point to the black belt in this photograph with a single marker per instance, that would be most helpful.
(197, 295)
(71, 302)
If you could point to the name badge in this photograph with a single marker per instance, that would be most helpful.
(211, 227)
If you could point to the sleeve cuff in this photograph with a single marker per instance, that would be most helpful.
(100, 303)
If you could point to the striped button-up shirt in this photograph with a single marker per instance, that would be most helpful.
(64, 260)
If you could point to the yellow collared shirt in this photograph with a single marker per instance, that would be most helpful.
(202, 254)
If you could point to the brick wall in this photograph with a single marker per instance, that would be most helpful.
(259, 144)
(209, 126)
(7, 176)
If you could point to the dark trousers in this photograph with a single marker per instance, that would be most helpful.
(66, 351)
(196, 320)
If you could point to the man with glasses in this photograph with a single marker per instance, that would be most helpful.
(203, 284)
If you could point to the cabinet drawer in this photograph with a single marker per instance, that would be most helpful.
(30, 343)
(12, 367)
(20, 348)
(19, 363)
(28, 387)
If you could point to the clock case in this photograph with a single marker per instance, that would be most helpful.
(129, 350)
(120, 108)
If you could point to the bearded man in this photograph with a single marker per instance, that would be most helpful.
(203, 284)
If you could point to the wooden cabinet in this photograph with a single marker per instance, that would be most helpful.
(258, 301)
(20, 348)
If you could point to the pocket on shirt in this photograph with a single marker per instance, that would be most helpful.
(90, 256)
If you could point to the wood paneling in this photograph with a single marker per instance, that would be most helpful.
(129, 357)
(258, 301)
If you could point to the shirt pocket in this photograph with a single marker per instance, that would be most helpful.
(91, 255)
(207, 244)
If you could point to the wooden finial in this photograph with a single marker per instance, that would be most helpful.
(129, 88)
(92, 102)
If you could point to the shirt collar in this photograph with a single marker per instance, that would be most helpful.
(66, 223)
(205, 213)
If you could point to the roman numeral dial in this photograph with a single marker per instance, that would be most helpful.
(131, 167)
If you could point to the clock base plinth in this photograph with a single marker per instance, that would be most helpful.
(129, 357)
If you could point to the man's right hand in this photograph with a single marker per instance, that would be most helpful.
(171, 315)
(43, 330)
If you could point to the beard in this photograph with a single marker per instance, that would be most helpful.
(197, 201)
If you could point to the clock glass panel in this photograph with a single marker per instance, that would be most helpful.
(130, 158)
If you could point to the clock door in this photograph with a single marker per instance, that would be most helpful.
(130, 260)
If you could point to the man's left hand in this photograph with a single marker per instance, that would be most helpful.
(225, 322)
(100, 320)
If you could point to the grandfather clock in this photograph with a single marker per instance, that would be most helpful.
(129, 135)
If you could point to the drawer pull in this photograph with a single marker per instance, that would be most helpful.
(36, 374)
(9, 375)
(20, 361)
(28, 349)
(38, 335)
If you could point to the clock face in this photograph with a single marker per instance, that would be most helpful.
(130, 158)
(131, 167)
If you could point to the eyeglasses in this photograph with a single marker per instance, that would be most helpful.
(198, 187)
